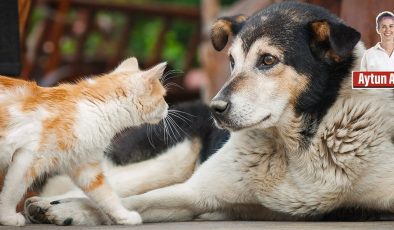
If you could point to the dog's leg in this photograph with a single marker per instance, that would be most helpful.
(173, 203)
(173, 166)
(217, 185)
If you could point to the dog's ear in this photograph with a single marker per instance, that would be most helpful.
(332, 41)
(225, 27)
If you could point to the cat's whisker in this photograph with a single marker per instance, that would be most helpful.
(149, 135)
(177, 126)
(179, 114)
(182, 114)
(167, 131)
(173, 72)
(173, 129)
(165, 77)
(179, 111)
(162, 123)
(170, 75)
(168, 86)
(183, 119)
(164, 129)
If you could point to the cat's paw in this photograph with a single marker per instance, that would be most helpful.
(72, 211)
(128, 218)
(14, 219)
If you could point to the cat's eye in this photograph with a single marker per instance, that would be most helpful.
(232, 63)
(266, 61)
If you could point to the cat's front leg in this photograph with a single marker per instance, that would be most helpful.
(17, 180)
(90, 178)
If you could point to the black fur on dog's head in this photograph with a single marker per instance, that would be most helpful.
(289, 55)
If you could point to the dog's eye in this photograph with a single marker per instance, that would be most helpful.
(266, 61)
(232, 63)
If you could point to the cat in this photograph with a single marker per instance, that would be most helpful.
(66, 129)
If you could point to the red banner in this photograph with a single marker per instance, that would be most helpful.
(366, 80)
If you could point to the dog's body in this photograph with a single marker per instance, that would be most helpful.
(303, 142)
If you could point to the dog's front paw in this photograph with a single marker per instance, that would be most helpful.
(35, 209)
(73, 211)
(127, 218)
(14, 219)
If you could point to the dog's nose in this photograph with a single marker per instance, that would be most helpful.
(220, 107)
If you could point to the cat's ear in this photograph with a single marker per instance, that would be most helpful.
(128, 65)
(156, 72)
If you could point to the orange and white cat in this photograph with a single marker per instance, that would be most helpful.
(67, 128)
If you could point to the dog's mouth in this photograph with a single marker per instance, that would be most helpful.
(229, 125)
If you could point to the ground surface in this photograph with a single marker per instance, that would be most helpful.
(244, 225)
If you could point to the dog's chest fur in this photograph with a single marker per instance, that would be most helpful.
(338, 168)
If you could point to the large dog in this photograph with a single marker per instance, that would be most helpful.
(302, 143)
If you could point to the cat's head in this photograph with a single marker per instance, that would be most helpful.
(144, 89)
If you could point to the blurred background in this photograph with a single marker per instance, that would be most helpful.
(63, 40)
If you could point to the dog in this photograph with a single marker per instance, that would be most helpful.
(302, 142)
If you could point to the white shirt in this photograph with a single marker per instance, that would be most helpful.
(376, 59)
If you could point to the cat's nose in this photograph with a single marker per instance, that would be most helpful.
(219, 106)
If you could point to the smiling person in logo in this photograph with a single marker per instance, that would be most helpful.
(380, 57)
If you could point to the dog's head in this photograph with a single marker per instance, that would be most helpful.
(289, 55)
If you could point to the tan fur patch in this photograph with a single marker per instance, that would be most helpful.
(220, 32)
(322, 30)
(333, 56)
(61, 102)
(292, 83)
(106, 86)
(241, 18)
(94, 184)
(40, 166)
(4, 120)
(240, 82)
(223, 25)
(287, 79)
(7, 82)
(157, 90)
(322, 33)
(156, 94)
(31, 174)
(78, 172)
(62, 128)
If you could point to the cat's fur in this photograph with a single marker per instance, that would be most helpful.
(67, 128)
